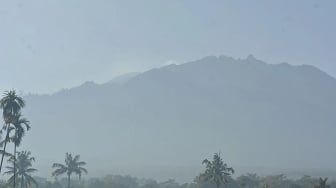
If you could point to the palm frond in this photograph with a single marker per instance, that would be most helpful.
(30, 170)
(58, 165)
(23, 167)
(6, 153)
(31, 180)
(81, 163)
(72, 165)
(76, 158)
(81, 169)
(216, 171)
(59, 171)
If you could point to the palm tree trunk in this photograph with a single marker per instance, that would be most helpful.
(15, 158)
(68, 180)
(4, 150)
(22, 181)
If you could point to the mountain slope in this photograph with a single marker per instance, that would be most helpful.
(162, 123)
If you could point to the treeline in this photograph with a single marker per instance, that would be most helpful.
(244, 181)
(217, 174)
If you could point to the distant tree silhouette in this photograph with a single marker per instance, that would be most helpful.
(248, 180)
(11, 105)
(23, 169)
(322, 183)
(72, 165)
(20, 126)
(216, 171)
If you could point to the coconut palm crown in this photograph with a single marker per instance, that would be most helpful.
(216, 171)
(23, 169)
(72, 165)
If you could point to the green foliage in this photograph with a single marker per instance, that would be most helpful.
(72, 165)
(20, 126)
(23, 169)
(248, 181)
(3, 184)
(216, 171)
(11, 105)
(322, 183)
(117, 181)
(275, 181)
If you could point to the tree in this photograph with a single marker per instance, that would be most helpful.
(249, 180)
(23, 169)
(19, 123)
(275, 181)
(307, 181)
(217, 171)
(11, 105)
(20, 126)
(72, 165)
(323, 183)
(3, 184)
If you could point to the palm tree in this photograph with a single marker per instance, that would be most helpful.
(11, 105)
(72, 165)
(18, 123)
(322, 183)
(216, 172)
(23, 169)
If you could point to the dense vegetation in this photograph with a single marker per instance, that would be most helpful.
(244, 181)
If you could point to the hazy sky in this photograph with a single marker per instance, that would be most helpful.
(46, 45)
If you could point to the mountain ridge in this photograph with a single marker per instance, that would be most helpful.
(259, 114)
(221, 58)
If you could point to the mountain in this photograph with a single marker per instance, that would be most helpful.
(162, 123)
(122, 79)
